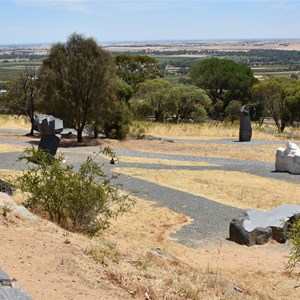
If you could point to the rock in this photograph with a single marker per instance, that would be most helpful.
(240, 235)
(256, 227)
(21, 211)
(10, 292)
(288, 160)
(245, 125)
(6, 187)
(50, 129)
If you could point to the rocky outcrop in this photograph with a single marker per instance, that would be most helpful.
(256, 227)
(288, 160)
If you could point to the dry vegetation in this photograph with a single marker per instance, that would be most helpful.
(135, 258)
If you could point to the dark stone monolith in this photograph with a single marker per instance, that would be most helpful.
(245, 125)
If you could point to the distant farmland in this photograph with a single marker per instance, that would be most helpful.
(266, 58)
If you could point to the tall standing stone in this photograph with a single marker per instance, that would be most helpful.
(245, 125)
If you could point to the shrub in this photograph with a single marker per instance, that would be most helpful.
(83, 200)
(294, 239)
(119, 124)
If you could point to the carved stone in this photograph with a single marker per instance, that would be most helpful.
(245, 125)
(288, 160)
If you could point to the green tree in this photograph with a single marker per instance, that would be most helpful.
(223, 80)
(233, 110)
(270, 94)
(154, 94)
(78, 82)
(134, 69)
(184, 101)
(117, 126)
(291, 95)
(22, 95)
(124, 90)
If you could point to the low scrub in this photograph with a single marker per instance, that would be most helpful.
(82, 201)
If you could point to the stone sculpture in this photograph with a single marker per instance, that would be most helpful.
(256, 227)
(50, 129)
(288, 160)
(245, 125)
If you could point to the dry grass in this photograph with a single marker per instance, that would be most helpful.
(15, 122)
(231, 188)
(10, 148)
(142, 160)
(144, 261)
(245, 151)
(136, 255)
(212, 130)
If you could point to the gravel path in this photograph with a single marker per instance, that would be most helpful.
(210, 219)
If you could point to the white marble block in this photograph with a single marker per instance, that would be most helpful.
(288, 160)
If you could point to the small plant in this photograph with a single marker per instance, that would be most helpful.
(83, 200)
(107, 251)
(5, 211)
(294, 239)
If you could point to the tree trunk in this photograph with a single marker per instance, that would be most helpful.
(282, 126)
(79, 135)
(96, 132)
(32, 125)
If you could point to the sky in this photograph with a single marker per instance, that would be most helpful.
(52, 21)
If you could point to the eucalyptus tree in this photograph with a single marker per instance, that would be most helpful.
(152, 98)
(272, 94)
(22, 95)
(134, 69)
(78, 82)
(223, 80)
(186, 101)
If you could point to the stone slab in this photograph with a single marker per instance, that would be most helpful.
(275, 217)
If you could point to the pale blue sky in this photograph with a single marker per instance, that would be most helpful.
(50, 21)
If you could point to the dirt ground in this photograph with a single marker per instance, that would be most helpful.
(135, 259)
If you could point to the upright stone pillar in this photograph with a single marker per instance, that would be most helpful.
(245, 125)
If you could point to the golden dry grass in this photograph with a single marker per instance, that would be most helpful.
(231, 188)
(142, 160)
(129, 250)
(127, 253)
(15, 122)
(211, 130)
(10, 148)
(265, 153)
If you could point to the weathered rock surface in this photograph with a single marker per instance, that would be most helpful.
(10, 292)
(256, 227)
(21, 211)
(288, 160)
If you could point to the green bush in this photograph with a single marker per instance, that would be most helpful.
(294, 240)
(118, 126)
(82, 201)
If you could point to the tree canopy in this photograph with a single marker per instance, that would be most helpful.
(223, 80)
(155, 94)
(134, 69)
(187, 102)
(277, 95)
(78, 82)
(22, 94)
(159, 98)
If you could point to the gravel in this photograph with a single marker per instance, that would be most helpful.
(210, 219)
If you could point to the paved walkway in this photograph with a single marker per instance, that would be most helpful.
(210, 219)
